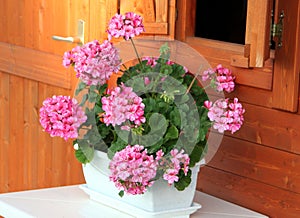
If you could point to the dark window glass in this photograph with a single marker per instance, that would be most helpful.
(223, 20)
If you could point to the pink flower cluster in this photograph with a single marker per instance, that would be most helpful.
(126, 26)
(61, 116)
(221, 77)
(178, 161)
(133, 170)
(93, 62)
(122, 104)
(225, 115)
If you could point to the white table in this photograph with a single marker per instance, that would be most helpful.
(71, 201)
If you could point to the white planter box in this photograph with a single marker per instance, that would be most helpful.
(159, 197)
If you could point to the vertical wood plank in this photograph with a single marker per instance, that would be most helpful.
(4, 130)
(30, 143)
(16, 130)
(15, 16)
(97, 23)
(161, 9)
(62, 24)
(258, 31)
(126, 6)
(148, 10)
(3, 21)
(29, 22)
(170, 15)
(287, 65)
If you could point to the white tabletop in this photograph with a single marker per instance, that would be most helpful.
(71, 201)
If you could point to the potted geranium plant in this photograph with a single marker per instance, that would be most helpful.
(152, 124)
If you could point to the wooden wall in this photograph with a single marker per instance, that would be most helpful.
(257, 167)
(31, 159)
(31, 70)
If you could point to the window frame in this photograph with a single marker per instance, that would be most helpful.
(279, 75)
(229, 54)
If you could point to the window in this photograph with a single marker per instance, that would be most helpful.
(276, 71)
(221, 20)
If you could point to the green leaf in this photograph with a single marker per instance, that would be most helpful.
(91, 118)
(172, 133)
(115, 147)
(84, 99)
(102, 89)
(184, 180)
(80, 87)
(93, 135)
(98, 109)
(84, 155)
(165, 51)
(197, 153)
(175, 117)
(182, 99)
(154, 148)
(157, 122)
(121, 193)
(92, 96)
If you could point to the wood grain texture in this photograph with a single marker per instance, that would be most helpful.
(270, 127)
(258, 31)
(31, 130)
(4, 130)
(287, 68)
(261, 197)
(16, 133)
(257, 167)
(34, 65)
(31, 71)
(221, 52)
(158, 16)
(258, 162)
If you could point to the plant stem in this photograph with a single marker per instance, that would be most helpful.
(137, 54)
(194, 79)
(124, 66)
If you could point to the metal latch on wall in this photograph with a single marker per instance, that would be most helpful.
(277, 29)
(79, 39)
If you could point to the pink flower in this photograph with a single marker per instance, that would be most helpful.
(126, 26)
(208, 74)
(61, 116)
(93, 62)
(133, 170)
(221, 78)
(150, 60)
(171, 165)
(180, 160)
(226, 116)
(159, 154)
(122, 104)
(207, 104)
(146, 81)
(171, 176)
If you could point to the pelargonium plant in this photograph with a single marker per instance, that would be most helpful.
(153, 124)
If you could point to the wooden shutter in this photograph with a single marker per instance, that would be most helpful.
(287, 58)
(158, 15)
(257, 37)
